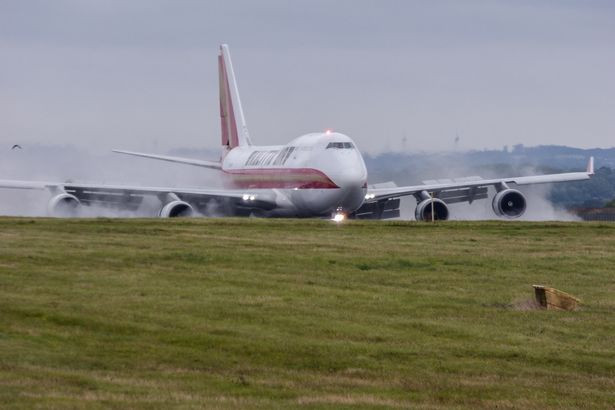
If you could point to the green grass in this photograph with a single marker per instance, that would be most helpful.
(229, 313)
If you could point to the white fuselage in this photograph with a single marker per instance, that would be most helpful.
(314, 175)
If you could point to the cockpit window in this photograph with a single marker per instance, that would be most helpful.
(340, 145)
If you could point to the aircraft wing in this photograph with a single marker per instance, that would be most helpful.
(466, 187)
(8, 184)
(131, 196)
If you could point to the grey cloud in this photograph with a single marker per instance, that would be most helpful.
(142, 73)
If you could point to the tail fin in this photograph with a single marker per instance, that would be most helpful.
(234, 128)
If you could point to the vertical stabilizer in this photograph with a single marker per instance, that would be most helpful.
(234, 128)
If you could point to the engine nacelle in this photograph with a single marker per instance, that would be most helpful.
(175, 209)
(63, 206)
(423, 210)
(509, 203)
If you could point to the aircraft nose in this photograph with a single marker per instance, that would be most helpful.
(351, 177)
(352, 182)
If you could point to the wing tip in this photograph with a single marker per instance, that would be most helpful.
(590, 166)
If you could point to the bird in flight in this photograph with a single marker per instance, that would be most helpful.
(16, 146)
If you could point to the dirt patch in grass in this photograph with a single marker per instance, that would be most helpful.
(526, 304)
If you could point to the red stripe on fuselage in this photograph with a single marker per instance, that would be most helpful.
(280, 178)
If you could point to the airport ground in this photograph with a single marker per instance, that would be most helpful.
(238, 313)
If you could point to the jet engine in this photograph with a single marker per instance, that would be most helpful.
(509, 203)
(423, 210)
(63, 206)
(176, 209)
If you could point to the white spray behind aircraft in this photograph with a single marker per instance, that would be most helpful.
(316, 175)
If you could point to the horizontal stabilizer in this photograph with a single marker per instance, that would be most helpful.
(188, 161)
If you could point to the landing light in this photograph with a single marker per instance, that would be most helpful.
(338, 218)
(248, 197)
(328, 131)
(370, 196)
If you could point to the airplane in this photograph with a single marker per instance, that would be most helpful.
(320, 174)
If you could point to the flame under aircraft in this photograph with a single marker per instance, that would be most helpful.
(315, 175)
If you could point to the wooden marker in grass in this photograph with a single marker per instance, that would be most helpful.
(553, 299)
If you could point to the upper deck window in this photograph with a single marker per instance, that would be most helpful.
(340, 145)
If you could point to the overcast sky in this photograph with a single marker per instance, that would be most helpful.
(142, 74)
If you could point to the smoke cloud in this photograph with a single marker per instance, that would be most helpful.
(539, 207)
(70, 164)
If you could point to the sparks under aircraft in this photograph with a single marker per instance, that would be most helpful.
(316, 175)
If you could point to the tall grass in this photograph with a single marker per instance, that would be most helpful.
(229, 313)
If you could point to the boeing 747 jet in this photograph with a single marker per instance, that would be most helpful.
(320, 174)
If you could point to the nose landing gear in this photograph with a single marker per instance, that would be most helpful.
(338, 216)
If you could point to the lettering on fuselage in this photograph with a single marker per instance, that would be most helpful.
(264, 158)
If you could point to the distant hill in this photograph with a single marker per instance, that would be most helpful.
(519, 157)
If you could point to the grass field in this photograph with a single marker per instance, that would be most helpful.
(285, 313)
